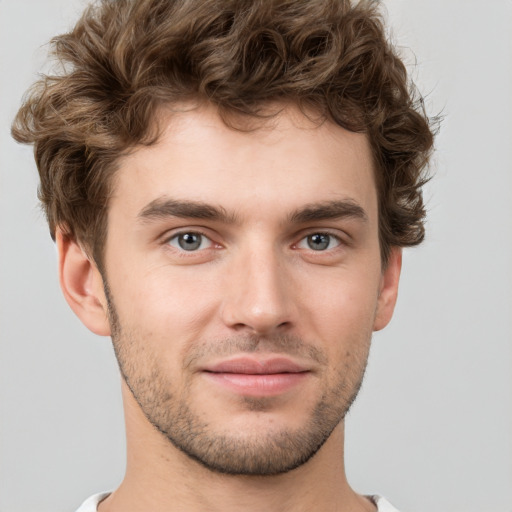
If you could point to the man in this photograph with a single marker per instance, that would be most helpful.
(229, 185)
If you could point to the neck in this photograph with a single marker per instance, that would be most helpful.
(161, 478)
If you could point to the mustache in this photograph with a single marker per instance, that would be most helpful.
(283, 344)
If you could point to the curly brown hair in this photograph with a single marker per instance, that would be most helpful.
(126, 58)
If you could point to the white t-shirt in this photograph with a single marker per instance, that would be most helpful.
(91, 504)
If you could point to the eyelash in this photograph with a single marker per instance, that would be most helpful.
(331, 236)
(175, 236)
(204, 237)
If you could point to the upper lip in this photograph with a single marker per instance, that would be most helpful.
(252, 366)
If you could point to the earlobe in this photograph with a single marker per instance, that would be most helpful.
(82, 285)
(388, 289)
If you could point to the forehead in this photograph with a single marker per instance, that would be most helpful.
(283, 163)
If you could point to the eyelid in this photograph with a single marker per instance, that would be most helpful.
(204, 240)
(341, 236)
(193, 230)
(303, 240)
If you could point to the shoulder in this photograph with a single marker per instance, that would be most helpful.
(383, 504)
(91, 504)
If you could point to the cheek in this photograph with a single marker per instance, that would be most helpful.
(341, 320)
(343, 303)
(163, 302)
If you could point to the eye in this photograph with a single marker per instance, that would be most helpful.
(319, 242)
(190, 241)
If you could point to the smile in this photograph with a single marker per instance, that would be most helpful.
(250, 377)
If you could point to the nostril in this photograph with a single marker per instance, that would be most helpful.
(260, 328)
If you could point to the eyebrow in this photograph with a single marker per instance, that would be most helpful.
(164, 207)
(329, 210)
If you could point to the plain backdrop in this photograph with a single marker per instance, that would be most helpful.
(432, 428)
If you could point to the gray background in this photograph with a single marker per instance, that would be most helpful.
(432, 429)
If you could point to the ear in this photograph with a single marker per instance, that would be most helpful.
(82, 284)
(388, 291)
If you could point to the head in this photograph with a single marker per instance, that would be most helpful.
(146, 88)
(126, 59)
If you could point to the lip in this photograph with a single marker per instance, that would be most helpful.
(257, 377)
(253, 366)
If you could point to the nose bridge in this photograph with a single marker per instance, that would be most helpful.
(257, 298)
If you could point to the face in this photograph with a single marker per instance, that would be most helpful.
(244, 280)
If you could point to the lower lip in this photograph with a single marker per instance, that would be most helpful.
(256, 384)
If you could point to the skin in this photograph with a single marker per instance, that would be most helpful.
(258, 286)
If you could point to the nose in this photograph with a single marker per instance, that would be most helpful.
(258, 297)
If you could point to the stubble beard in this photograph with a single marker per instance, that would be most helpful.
(236, 453)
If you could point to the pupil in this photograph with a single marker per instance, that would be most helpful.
(318, 242)
(189, 241)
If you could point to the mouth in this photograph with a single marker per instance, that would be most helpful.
(257, 377)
